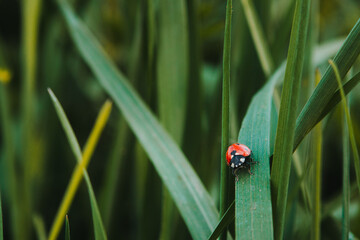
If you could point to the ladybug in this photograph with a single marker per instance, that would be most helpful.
(239, 156)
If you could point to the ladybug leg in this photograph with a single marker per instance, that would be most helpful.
(234, 170)
(249, 168)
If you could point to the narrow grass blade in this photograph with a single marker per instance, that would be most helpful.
(172, 81)
(67, 228)
(1, 221)
(224, 180)
(344, 59)
(317, 143)
(287, 115)
(351, 133)
(224, 222)
(30, 25)
(258, 36)
(253, 210)
(189, 194)
(172, 66)
(345, 221)
(83, 160)
(112, 172)
(39, 226)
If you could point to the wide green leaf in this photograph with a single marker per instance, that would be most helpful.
(188, 192)
(253, 209)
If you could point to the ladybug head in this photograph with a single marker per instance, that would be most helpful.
(236, 159)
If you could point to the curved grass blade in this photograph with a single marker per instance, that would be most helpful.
(224, 171)
(225, 221)
(82, 160)
(344, 59)
(188, 192)
(350, 126)
(253, 210)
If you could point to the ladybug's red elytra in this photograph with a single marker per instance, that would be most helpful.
(239, 156)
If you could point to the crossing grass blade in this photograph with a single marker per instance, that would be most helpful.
(225, 220)
(185, 187)
(89, 147)
(285, 132)
(322, 94)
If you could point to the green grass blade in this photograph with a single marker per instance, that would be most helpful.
(39, 226)
(351, 133)
(253, 210)
(345, 222)
(189, 194)
(31, 10)
(67, 228)
(172, 81)
(224, 222)
(224, 174)
(336, 98)
(287, 116)
(257, 33)
(317, 140)
(112, 170)
(8, 170)
(1, 221)
(344, 59)
(172, 66)
(97, 221)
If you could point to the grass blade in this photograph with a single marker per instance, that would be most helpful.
(336, 98)
(67, 228)
(224, 222)
(351, 133)
(224, 180)
(344, 59)
(253, 210)
(287, 116)
(317, 142)
(1, 221)
(31, 10)
(83, 160)
(189, 194)
(172, 81)
(39, 226)
(345, 222)
(258, 36)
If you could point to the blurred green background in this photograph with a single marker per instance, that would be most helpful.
(155, 50)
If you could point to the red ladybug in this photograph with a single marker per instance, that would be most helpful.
(239, 156)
